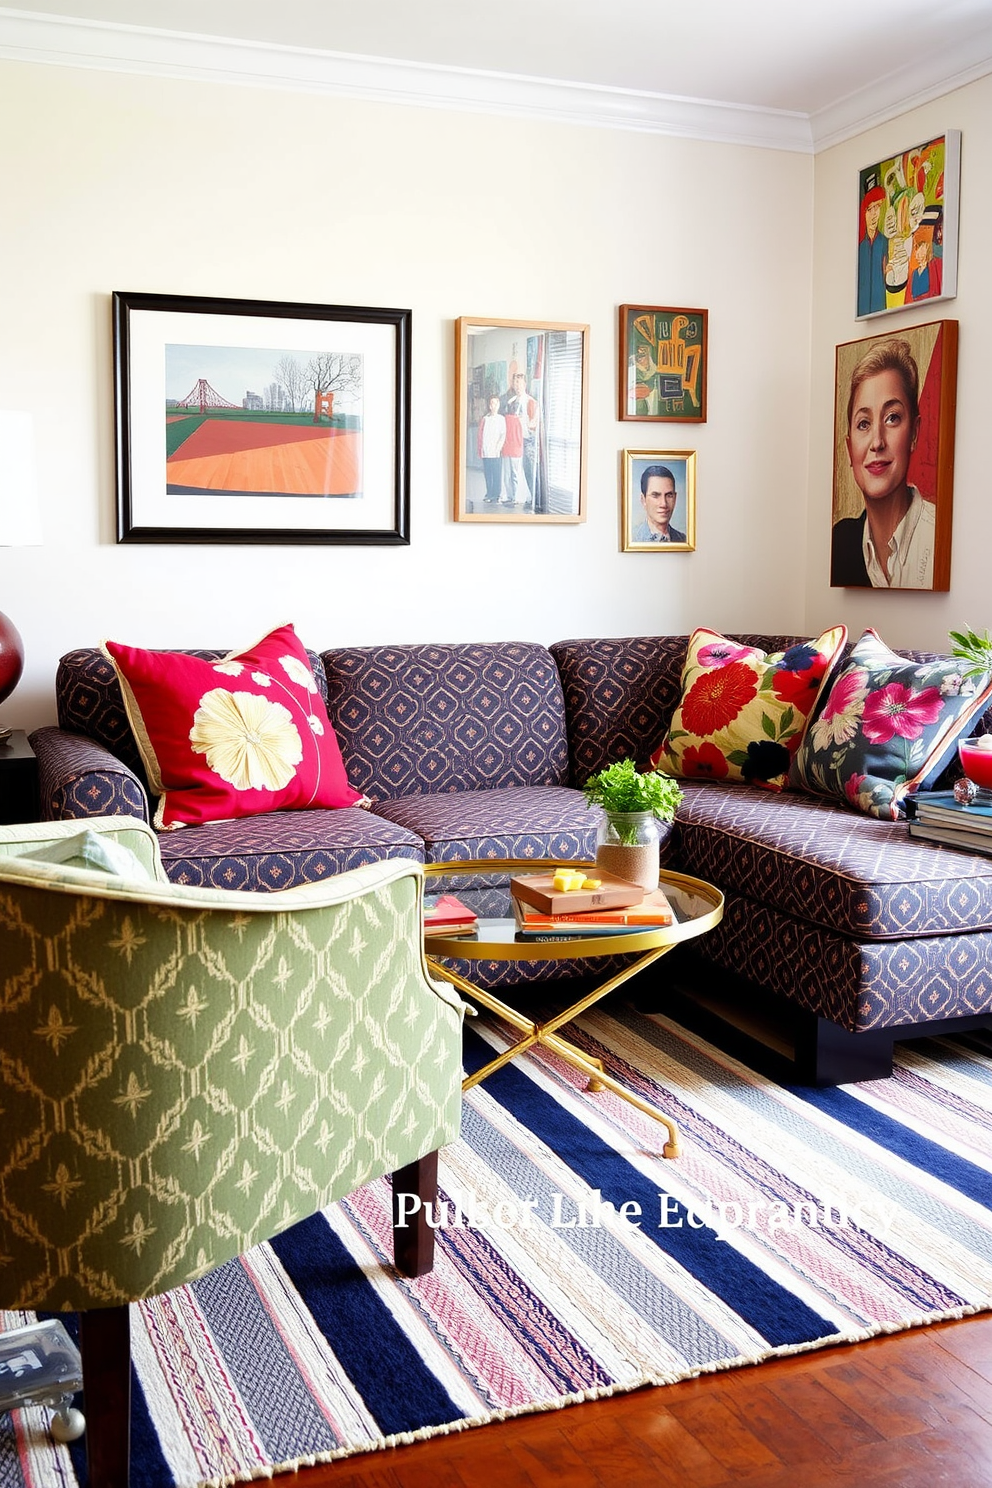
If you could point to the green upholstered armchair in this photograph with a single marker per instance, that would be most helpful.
(186, 1072)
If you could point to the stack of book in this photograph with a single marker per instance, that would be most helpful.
(614, 907)
(445, 914)
(935, 816)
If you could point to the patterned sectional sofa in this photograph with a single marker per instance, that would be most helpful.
(479, 751)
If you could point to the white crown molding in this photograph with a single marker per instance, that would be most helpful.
(26, 36)
(929, 77)
(63, 41)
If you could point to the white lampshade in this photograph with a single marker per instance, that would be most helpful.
(20, 519)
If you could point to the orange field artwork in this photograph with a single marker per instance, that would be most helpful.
(243, 457)
(263, 421)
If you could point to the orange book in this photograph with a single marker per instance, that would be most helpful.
(653, 912)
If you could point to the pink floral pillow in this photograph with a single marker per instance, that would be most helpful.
(234, 737)
(743, 712)
(887, 727)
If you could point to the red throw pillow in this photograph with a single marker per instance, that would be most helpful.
(222, 739)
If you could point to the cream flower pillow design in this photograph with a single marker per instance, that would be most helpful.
(248, 741)
(235, 737)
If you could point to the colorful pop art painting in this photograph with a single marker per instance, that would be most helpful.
(908, 227)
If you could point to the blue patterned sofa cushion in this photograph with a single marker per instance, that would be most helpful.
(620, 694)
(447, 717)
(851, 874)
(282, 848)
(519, 822)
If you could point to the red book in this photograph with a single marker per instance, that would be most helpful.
(446, 912)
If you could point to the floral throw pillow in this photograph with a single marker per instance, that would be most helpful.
(234, 737)
(887, 727)
(742, 712)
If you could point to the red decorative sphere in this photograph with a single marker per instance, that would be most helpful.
(11, 657)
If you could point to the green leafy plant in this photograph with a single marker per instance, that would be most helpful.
(973, 648)
(621, 788)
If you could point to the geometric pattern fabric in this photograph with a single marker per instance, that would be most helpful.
(447, 717)
(515, 822)
(621, 693)
(465, 749)
(79, 777)
(860, 876)
(859, 985)
(185, 1072)
(281, 849)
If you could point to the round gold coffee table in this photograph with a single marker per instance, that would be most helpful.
(697, 907)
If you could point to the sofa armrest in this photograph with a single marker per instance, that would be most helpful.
(79, 778)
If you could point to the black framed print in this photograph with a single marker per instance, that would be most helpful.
(249, 421)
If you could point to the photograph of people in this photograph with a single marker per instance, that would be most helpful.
(891, 544)
(515, 489)
(653, 519)
(658, 501)
(520, 421)
(491, 438)
(518, 405)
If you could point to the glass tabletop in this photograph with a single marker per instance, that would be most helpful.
(696, 906)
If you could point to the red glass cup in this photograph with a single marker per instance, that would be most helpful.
(976, 761)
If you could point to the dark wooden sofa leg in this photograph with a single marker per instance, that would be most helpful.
(413, 1237)
(105, 1345)
(829, 1055)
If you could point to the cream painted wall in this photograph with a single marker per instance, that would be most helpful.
(907, 619)
(142, 184)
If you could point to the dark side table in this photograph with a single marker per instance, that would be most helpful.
(18, 779)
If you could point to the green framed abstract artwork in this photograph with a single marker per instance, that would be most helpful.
(663, 364)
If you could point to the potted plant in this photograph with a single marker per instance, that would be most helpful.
(639, 809)
(973, 648)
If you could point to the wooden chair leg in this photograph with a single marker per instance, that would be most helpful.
(105, 1344)
(413, 1238)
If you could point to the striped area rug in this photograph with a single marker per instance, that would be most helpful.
(572, 1261)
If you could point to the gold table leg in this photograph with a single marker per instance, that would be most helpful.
(547, 1034)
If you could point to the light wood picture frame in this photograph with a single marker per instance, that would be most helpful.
(521, 394)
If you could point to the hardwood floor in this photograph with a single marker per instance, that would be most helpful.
(909, 1411)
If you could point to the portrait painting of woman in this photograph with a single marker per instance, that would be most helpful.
(893, 460)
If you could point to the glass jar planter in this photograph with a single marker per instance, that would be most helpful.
(628, 845)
